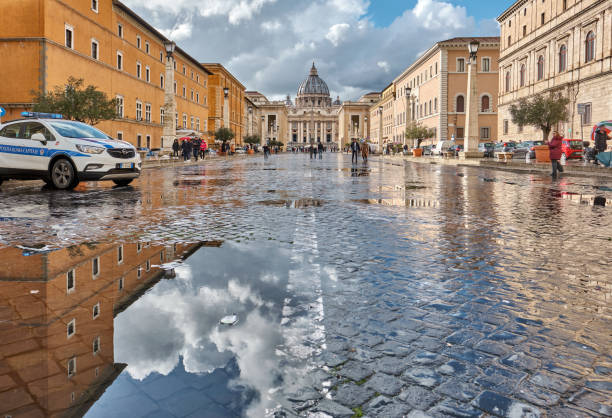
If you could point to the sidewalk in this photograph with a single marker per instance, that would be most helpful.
(147, 164)
(572, 168)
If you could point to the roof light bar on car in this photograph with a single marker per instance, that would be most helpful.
(42, 115)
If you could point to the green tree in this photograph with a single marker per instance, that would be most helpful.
(252, 139)
(416, 130)
(76, 102)
(275, 143)
(224, 134)
(543, 111)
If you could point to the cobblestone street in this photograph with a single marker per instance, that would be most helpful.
(375, 290)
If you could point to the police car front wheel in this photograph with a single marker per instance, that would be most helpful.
(63, 175)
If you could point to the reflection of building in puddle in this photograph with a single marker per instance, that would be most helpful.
(587, 199)
(403, 202)
(56, 321)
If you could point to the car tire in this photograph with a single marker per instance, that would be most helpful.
(63, 175)
(123, 182)
(1, 181)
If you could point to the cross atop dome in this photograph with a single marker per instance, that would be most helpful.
(313, 70)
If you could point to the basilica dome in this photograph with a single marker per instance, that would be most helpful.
(313, 84)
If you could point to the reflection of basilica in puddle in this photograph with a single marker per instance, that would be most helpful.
(402, 202)
(57, 313)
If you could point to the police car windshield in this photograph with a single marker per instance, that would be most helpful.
(71, 129)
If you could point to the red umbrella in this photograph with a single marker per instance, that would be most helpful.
(185, 138)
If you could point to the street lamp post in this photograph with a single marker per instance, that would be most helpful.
(263, 121)
(226, 121)
(472, 136)
(250, 121)
(408, 93)
(380, 128)
(169, 126)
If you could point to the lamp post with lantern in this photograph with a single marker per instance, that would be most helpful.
(472, 135)
(169, 125)
(380, 128)
(408, 94)
(226, 121)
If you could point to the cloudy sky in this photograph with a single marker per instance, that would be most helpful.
(358, 45)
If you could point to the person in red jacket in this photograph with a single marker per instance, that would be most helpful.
(554, 146)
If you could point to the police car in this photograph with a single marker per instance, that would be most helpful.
(63, 152)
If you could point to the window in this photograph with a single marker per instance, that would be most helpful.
(138, 69)
(540, 67)
(120, 106)
(120, 136)
(174, 63)
(192, 75)
(139, 141)
(508, 80)
(586, 117)
(137, 41)
(522, 75)
(524, 30)
(435, 107)
(460, 65)
(119, 60)
(120, 254)
(564, 4)
(176, 123)
(505, 127)
(184, 91)
(184, 70)
(197, 97)
(148, 112)
(175, 87)
(69, 37)
(192, 120)
(485, 104)
(486, 65)
(147, 74)
(589, 53)
(72, 367)
(192, 95)
(71, 328)
(459, 132)
(95, 49)
(148, 265)
(485, 133)
(161, 56)
(542, 18)
(94, 5)
(147, 47)
(162, 114)
(70, 281)
(509, 40)
(436, 67)
(184, 121)
(460, 105)
(95, 267)
(121, 283)
(509, 23)
(120, 30)
(562, 58)
(198, 124)
(138, 247)
(197, 78)
(139, 272)
(96, 310)
(161, 81)
(138, 110)
(96, 345)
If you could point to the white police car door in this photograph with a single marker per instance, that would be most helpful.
(11, 147)
(35, 154)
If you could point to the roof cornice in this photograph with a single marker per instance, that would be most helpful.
(518, 4)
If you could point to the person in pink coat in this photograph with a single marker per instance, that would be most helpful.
(554, 146)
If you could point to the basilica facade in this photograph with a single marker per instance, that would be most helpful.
(312, 118)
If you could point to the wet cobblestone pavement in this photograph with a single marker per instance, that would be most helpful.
(370, 290)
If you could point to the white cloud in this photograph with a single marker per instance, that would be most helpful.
(384, 65)
(179, 32)
(337, 33)
(271, 44)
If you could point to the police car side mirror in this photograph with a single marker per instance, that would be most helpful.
(38, 137)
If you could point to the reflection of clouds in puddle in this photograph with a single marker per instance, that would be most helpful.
(254, 345)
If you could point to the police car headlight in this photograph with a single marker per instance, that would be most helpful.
(90, 149)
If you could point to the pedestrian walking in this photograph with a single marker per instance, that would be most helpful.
(554, 146)
(320, 147)
(196, 148)
(203, 149)
(175, 148)
(311, 151)
(186, 148)
(354, 151)
(365, 150)
(600, 142)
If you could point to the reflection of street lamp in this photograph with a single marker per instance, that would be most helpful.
(472, 136)
(169, 128)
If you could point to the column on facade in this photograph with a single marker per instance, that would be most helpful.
(334, 133)
(308, 131)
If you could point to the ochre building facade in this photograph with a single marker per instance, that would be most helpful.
(561, 45)
(43, 42)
